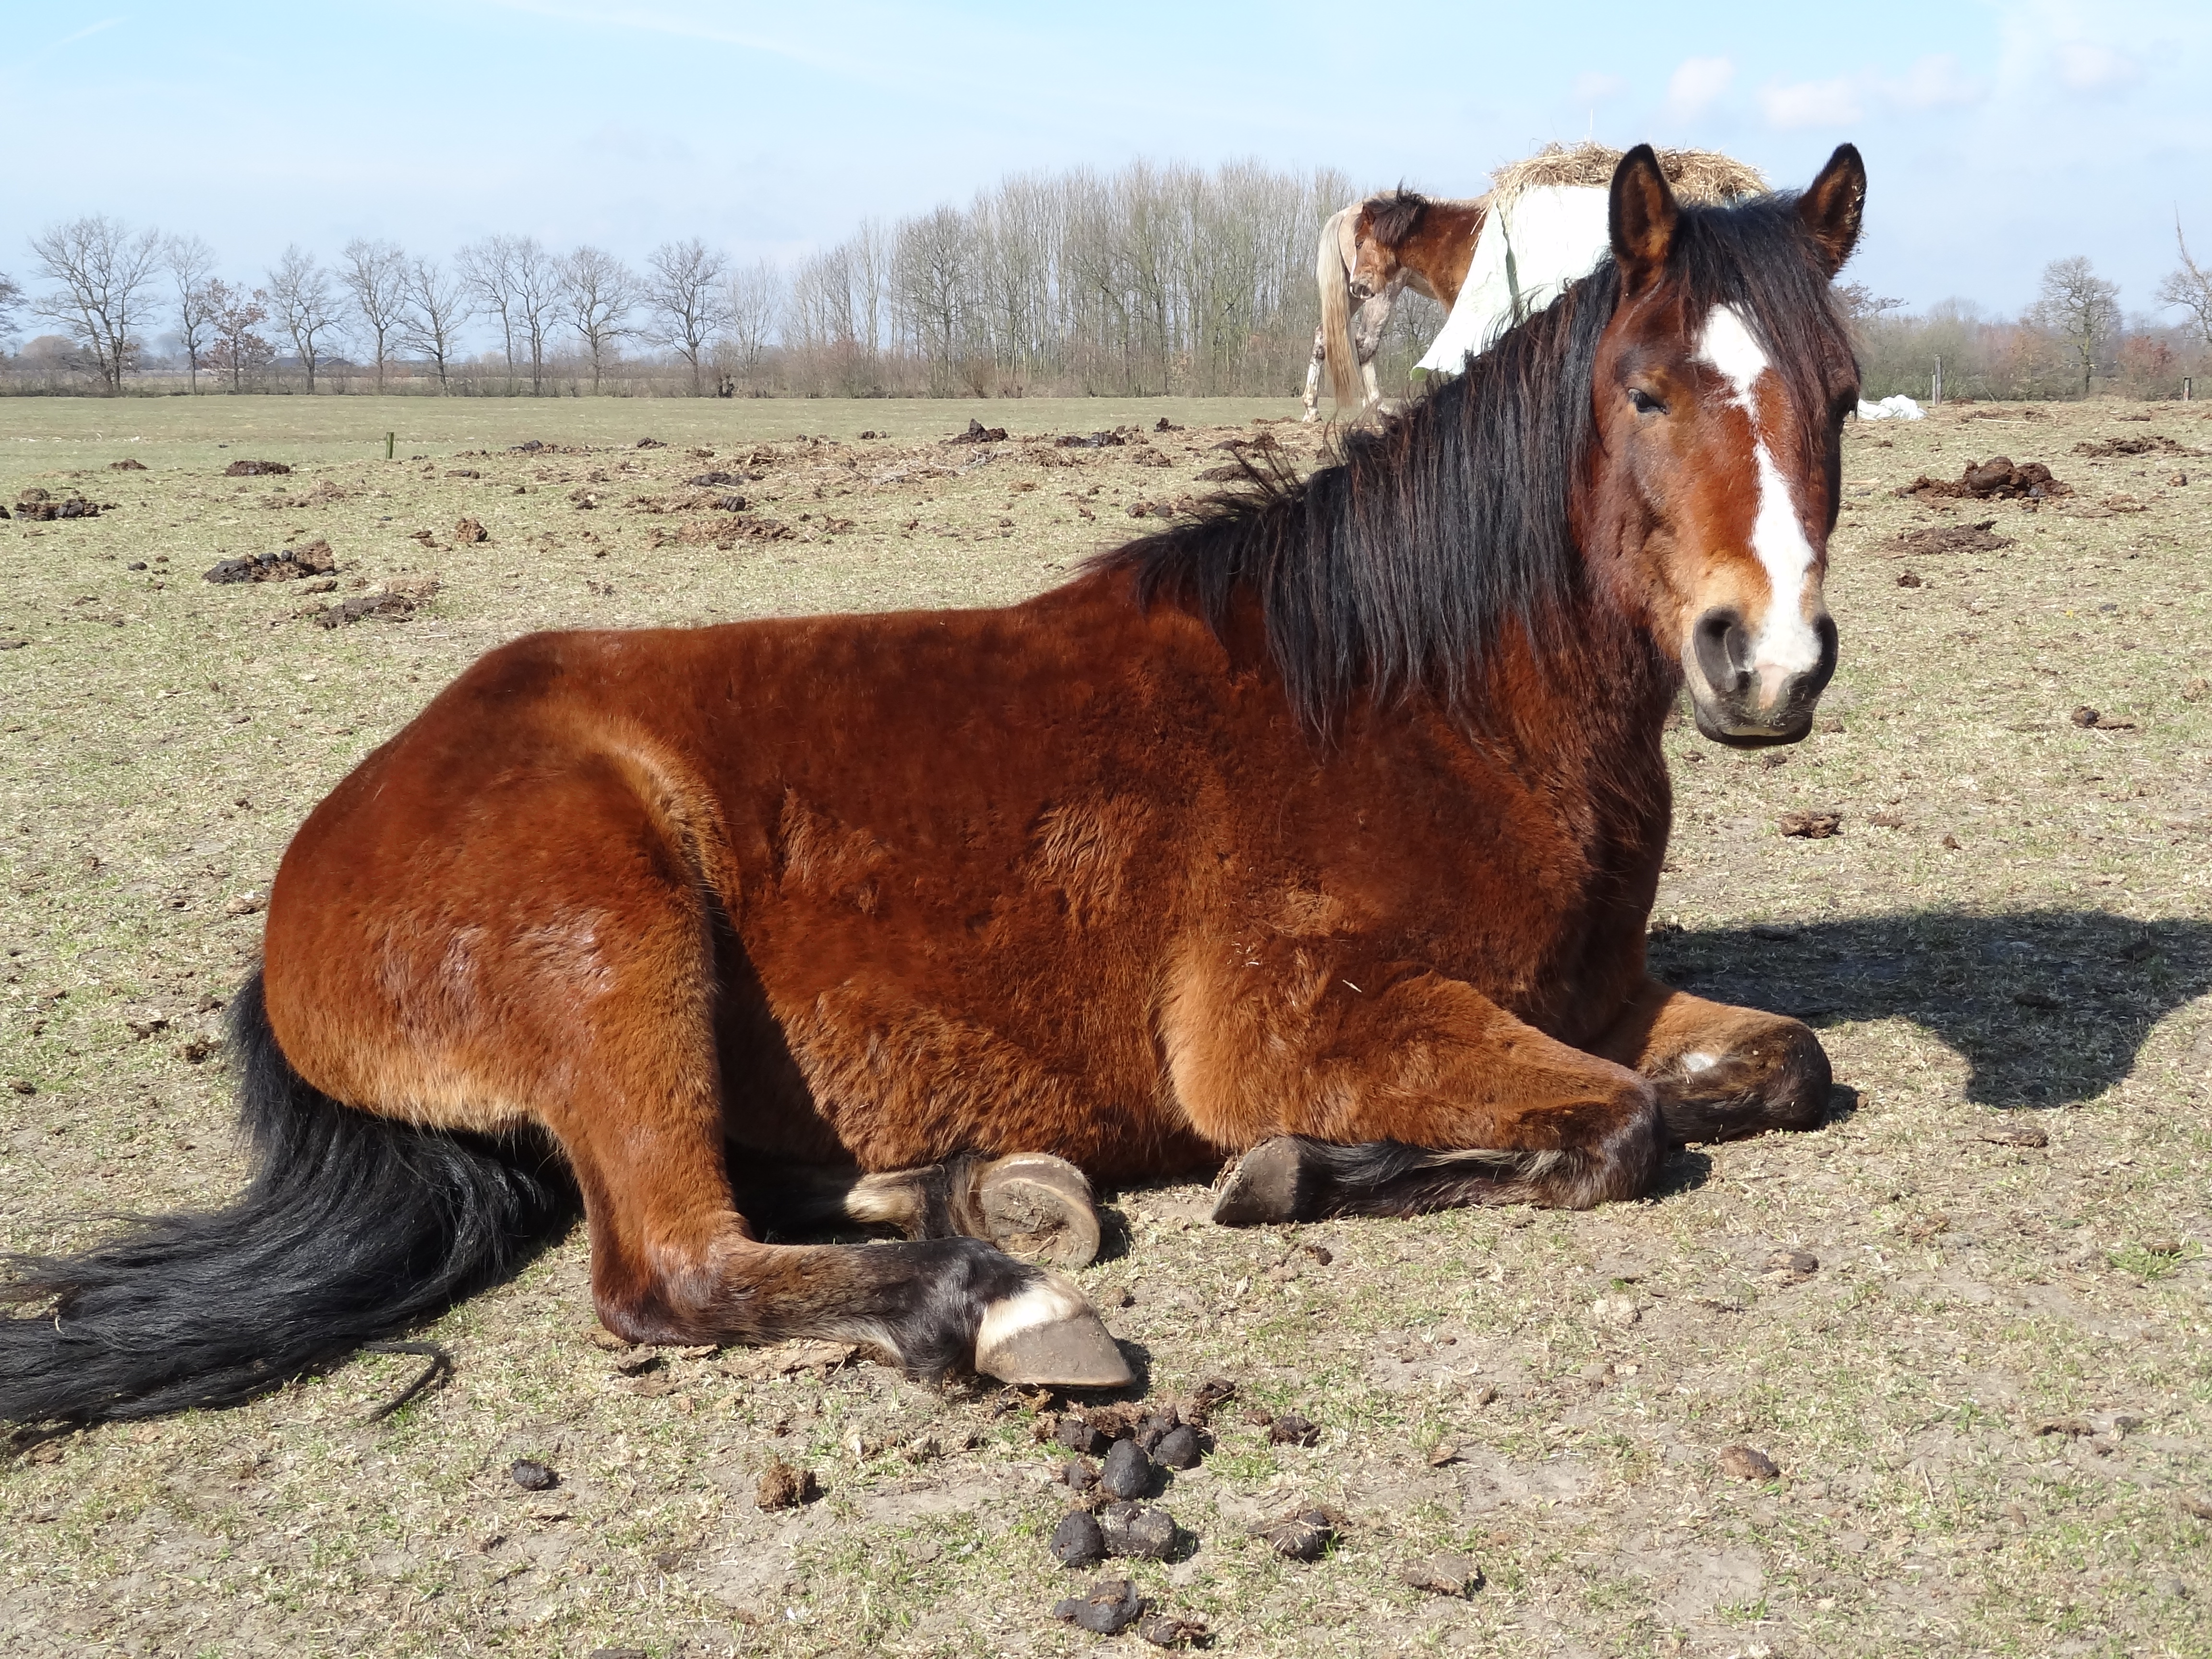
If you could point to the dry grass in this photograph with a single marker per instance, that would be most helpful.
(1703, 176)
(1988, 1402)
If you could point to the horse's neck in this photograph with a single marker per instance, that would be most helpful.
(1437, 255)
(1588, 705)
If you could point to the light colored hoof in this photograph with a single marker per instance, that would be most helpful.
(1039, 1207)
(1263, 1186)
(1049, 1335)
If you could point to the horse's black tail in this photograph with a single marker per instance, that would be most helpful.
(354, 1227)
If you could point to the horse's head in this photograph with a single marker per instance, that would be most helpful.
(1382, 223)
(1720, 387)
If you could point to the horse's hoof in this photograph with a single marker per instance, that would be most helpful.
(1048, 1335)
(1039, 1207)
(1264, 1186)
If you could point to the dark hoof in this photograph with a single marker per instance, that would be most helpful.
(1266, 1186)
(1047, 1335)
(1780, 1080)
(1039, 1207)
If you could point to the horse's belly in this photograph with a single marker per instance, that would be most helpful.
(900, 1073)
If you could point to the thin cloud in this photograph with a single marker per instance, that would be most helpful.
(1813, 103)
(1932, 83)
(1935, 82)
(1593, 88)
(675, 26)
(86, 32)
(2087, 66)
(899, 49)
(1695, 85)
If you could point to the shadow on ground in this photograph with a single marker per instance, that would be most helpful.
(2048, 1007)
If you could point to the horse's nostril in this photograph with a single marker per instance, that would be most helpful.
(1723, 651)
(1824, 670)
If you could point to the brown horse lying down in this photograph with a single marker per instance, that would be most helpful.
(1321, 832)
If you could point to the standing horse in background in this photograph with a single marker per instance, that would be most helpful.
(1403, 238)
(1384, 246)
(1319, 833)
(1357, 341)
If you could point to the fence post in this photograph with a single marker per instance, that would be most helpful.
(387, 446)
(1936, 395)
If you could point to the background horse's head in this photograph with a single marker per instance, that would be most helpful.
(1719, 389)
(1382, 223)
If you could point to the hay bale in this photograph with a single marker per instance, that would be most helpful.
(1703, 176)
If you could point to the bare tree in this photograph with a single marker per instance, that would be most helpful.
(104, 271)
(488, 268)
(930, 283)
(300, 292)
(868, 272)
(233, 315)
(375, 274)
(437, 308)
(2080, 309)
(2189, 287)
(821, 333)
(191, 264)
(598, 294)
(1862, 305)
(11, 301)
(537, 299)
(686, 294)
(755, 299)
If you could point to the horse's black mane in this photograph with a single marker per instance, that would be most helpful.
(1395, 214)
(1394, 569)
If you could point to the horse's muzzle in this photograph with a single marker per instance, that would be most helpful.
(1738, 705)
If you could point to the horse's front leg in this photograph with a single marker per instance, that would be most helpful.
(1367, 340)
(1722, 1072)
(1380, 1090)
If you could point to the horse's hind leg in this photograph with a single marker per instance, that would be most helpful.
(1313, 378)
(1030, 1204)
(1721, 1073)
(589, 1001)
(673, 1260)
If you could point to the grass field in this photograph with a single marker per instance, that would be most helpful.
(1990, 1400)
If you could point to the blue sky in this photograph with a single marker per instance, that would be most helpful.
(1998, 135)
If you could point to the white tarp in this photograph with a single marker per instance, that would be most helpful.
(1899, 408)
(1528, 251)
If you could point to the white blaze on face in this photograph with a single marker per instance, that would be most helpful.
(1785, 644)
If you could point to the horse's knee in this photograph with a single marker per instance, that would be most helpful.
(668, 1296)
(1617, 1157)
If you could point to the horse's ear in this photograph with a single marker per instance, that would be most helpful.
(1832, 208)
(1642, 219)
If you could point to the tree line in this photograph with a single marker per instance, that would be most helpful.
(1150, 279)
(2073, 340)
(376, 313)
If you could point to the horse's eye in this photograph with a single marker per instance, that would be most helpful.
(1644, 402)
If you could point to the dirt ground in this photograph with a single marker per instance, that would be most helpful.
(1967, 1320)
